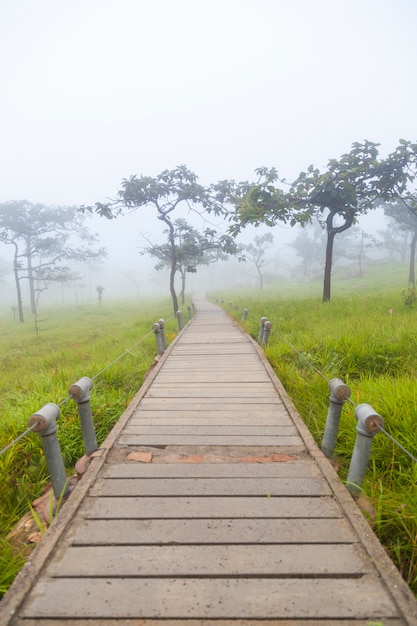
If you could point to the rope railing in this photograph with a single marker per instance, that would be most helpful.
(368, 422)
(44, 421)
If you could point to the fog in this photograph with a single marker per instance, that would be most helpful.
(97, 90)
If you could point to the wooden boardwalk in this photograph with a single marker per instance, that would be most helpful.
(238, 519)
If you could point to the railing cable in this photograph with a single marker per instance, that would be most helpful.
(299, 354)
(18, 438)
(397, 443)
(121, 356)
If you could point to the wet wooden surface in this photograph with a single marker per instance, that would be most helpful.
(237, 519)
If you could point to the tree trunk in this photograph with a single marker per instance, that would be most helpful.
(173, 265)
(261, 278)
(331, 233)
(182, 294)
(411, 271)
(31, 278)
(17, 283)
(328, 265)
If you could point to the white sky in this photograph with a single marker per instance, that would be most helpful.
(96, 90)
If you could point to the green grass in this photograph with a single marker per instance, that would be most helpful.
(368, 338)
(36, 368)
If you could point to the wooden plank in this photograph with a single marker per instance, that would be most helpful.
(193, 404)
(213, 378)
(258, 390)
(214, 507)
(258, 560)
(212, 429)
(223, 598)
(209, 531)
(198, 349)
(208, 440)
(286, 469)
(199, 622)
(210, 487)
(202, 418)
(186, 363)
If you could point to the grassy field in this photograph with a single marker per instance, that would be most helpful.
(366, 336)
(38, 367)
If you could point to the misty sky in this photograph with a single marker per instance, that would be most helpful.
(96, 90)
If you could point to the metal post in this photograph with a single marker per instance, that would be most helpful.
(190, 313)
(44, 422)
(261, 330)
(369, 423)
(339, 393)
(244, 314)
(267, 330)
(80, 392)
(161, 323)
(157, 330)
(180, 322)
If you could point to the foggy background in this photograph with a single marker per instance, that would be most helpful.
(94, 91)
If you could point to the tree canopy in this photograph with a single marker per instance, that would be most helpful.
(348, 186)
(46, 241)
(164, 193)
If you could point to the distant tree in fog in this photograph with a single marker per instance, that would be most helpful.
(42, 238)
(404, 214)
(310, 245)
(355, 244)
(100, 290)
(395, 241)
(164, 193)
(255, 252)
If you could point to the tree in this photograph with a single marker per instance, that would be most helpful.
(164, 193)
(349, 186)
(255, 252)
(355, 244)
(42, 238)
(404, 214)
(100, 290)
(192, 249)
(309, 246)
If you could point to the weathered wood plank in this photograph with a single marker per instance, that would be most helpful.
(203, 418)
(210, 531)
(199, 622)
(224, 598)
(214, 560)
(212, 429)
(206, 391)
(208, 440)
(232, 349)
(214, 507)
(210, 487)
(213, 377)
(247, 362)
(286, 469)
(193, 404)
